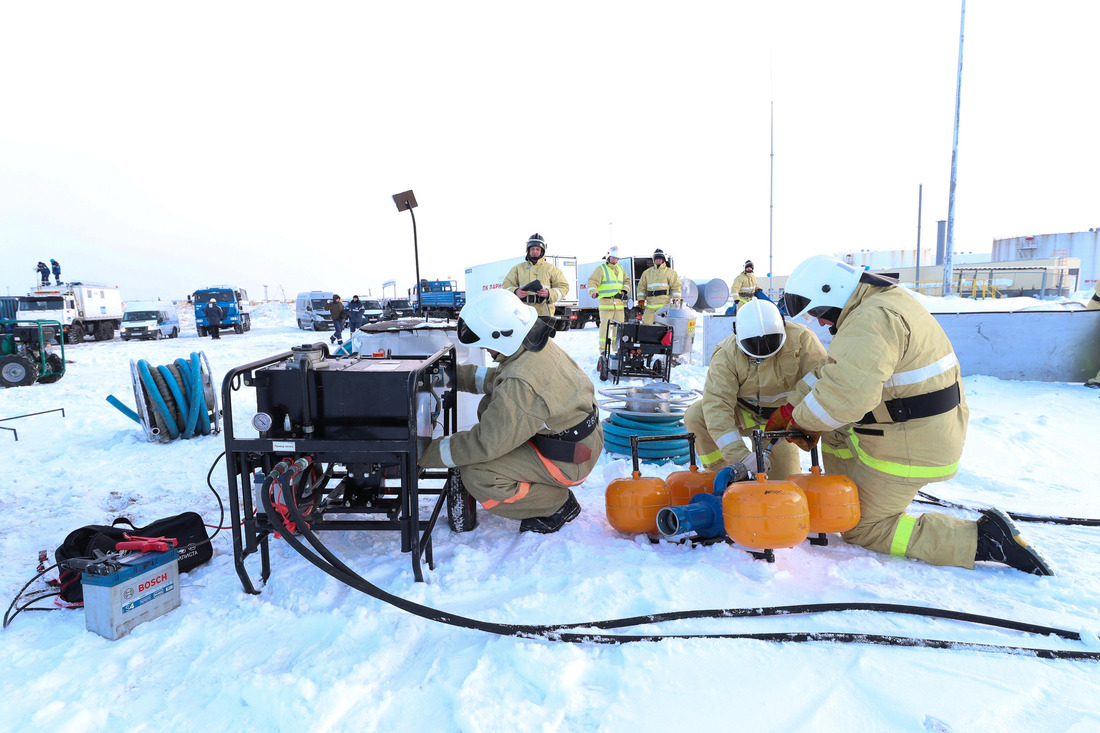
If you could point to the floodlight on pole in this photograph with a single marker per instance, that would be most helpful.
(407, 201)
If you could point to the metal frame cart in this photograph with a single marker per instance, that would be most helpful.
(353, 428)
(641, 350)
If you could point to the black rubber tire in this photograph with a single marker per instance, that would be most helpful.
(238, 328)
(461, 507)
(125, 338)
(17, 370)
(247, 323)
(169, 400)
(602, 366)
(104, 331)
(201, 330)
(658, 368)
(74, 334)
(175, 333)
(56, 365)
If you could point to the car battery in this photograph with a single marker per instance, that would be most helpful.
(144, 586)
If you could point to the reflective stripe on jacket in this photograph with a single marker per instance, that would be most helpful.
(744, 287)
(659, 282)
(530, 392)
(887, 346)
(545, 272)
(607, 281)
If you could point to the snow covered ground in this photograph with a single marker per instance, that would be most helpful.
(311, 654)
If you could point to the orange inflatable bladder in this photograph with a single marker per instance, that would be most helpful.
(833, 500)
(632, 503)
(765, 514)
(682, 485)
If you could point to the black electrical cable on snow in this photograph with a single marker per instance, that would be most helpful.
(332, 565)
(1077, 521)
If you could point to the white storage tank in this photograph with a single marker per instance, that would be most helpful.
(712, 295)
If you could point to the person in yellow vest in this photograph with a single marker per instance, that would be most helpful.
(607, 284)
(744, 285)
(1092, 305)
(889, 399)
(750, 374)
(550, 284)
(658, 286)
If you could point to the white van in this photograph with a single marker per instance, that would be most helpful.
(150, 320)
(311, 310)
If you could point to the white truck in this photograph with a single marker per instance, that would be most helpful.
(83, 309)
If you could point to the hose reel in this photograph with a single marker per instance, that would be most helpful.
(174, 400)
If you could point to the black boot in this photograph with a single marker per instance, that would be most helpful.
(546, 525)
(999, 541)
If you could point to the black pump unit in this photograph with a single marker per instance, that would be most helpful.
(636, 349)
(340, 437)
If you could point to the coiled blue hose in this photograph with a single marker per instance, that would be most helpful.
(184, 385)
(618, 428)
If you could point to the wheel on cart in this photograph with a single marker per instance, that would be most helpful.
(461, 507)
(602, 367)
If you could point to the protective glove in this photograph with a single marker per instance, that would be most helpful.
(751, 466)
(641, 302)
(783, 419)
(780, 418)
(623, 295)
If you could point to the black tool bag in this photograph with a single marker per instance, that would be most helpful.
(188, 530)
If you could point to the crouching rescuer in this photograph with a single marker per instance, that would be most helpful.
(538, 431)
(889, 408)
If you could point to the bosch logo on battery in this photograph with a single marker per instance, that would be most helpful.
(150, 583)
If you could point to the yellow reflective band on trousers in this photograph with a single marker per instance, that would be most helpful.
(900, 469)
(841, 453)
(712, 457)
(902, 533)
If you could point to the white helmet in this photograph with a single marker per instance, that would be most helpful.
(613, 252)
(819, 285)
(496, 320)
(759, 328)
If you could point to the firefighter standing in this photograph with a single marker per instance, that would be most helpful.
(535, 270)
(744, 285)
(890, 395)
(751, 374)
(538, 431)
(658, 286)
(608, 285)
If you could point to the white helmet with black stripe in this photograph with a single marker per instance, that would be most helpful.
(760, 330)
(496, 320)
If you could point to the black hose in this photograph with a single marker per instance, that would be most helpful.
(332, 565)
(1077, 521)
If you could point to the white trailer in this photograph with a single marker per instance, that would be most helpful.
(83, 309)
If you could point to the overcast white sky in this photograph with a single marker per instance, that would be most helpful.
(164, 148)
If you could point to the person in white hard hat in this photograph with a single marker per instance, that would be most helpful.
(609, 286)
(890, 402)
(750, 374)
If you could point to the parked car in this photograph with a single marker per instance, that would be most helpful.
(150, 320)
(373, 311)
(311, 310)
(395, 308)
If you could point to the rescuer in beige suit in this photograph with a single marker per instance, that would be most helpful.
(1092, 305)
(608, 285)
(552, 283)
(744, 285)
(538, 431)
(890, 393)
(657, 287)
(750, 374)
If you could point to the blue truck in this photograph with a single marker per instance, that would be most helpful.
(234, 304)
(440, 298)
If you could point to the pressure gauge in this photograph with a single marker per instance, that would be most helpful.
(262, 422)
